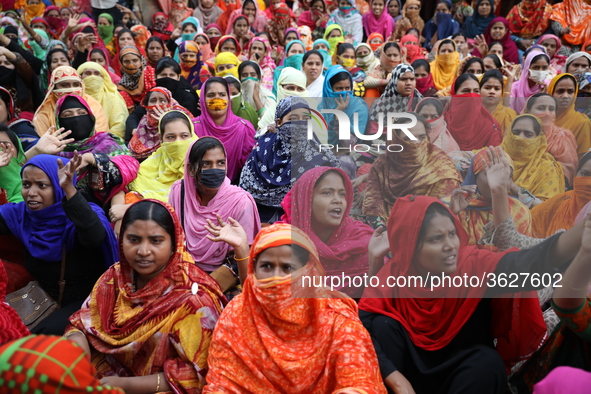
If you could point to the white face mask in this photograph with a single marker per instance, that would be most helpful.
(538, 76)
(478, 76)
(233, 97)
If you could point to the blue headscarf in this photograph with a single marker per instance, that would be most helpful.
(46, 231)
(477, 24)
(294, 61)
(325, 54)
(441, 23)
(267, 174)
(356, 104)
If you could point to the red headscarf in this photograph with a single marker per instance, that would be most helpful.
(413, 51)
(433, 318)
(471, 125)
(346, 249)
(510, 51)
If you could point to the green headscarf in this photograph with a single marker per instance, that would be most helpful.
(106, 32)
(10, 176)
(333, 41)
(38, 51)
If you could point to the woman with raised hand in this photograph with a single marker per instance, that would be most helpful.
(58, 226)
(134, 325)
(278, 325)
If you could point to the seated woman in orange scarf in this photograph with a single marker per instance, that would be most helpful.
(535, 169)
(472, 203)
(559, 212)
(451, 339)
(149, 320)
(66, 80)
(564, 88)
(570, 20)
(309, 338)
(421, 168)
(445, 65)
(561, 142)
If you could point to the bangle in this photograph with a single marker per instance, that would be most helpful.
(572, 288)
(158, 385)
(242, 259)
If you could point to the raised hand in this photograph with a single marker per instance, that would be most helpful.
(73, 21)
(481, 45)
(343, 103)
(5, 155)
(230, 232)
(498, 170)
(378, 243)
(53, 141)
(159, 112)
(67, 173)
(460, 198)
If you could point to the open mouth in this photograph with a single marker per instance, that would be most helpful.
(336, 213)
(451, 260)
(33, 204)
(144, 263)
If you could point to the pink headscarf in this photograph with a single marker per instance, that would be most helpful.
(229, 201)
(236, 134)
(383, 25)
(564, 380)
(346, 249)
(521, 91)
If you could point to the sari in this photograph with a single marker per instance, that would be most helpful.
(33, 11)
(51, 362)
(190, 70)
(11, 325)
(235, 133)
(562, 145)
(504, 116)
(267, 64)
(420, 168)
(572, 120)
(306, 37)
(229, 201)
(560, 211)
(384, 24)
(139, 333)
(163, 168)
(439, 134)
(479, 211)
(367, 63)
(410, 19)
(351, 22)
(534, 168)
(529, 18)
(557, 61)
(135, 82)
(510, 51)
(142, 35)
(103, 90)
(476, 24)
(282, 18)
(56, 24)
(146, 140)
(207, 15)
(470, 123)
(334, 352)
(413, 50)
(573, 14)
(520, 90)
(443, 68)
(161, 29)
(432, 319)
(260, 19)
(45, 115)
(279, 159)
(106, 55)
(345, 252)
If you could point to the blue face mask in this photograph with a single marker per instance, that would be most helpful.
(188, 37)
(250, 79)
(295, 61)
(442, 17)
(345, 94)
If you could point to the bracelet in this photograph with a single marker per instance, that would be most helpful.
(158, 385)
(242, 259)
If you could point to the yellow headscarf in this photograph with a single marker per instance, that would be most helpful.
(103, 90)
(226, 58)
(164, 167)
(534, 169)
(444, 67)
(573, 120)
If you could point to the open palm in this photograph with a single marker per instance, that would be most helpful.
(230, 232)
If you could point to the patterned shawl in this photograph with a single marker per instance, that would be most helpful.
(333, 350)
(529, 18)
(345, 252)
(535, 169)
(267, 174)
(391, 100)
(166, 326)
(191, 72)
(575, 15)
(421, 168)
(54, 363)
(131, 79)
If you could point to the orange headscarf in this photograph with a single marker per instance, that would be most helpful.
(315, 344)
(575, 15)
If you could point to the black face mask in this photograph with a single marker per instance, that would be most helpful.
(212, 178)
(81, 126)
(168, 83)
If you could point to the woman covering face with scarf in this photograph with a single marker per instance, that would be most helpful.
(349, 18)
(66, 80)
(136, 79)
(282, 19)
(161, 27)
(226, 63)
(191, 63)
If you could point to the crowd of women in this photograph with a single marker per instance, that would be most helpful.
(173, 181)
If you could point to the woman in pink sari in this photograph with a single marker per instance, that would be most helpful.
(432, 110)
(378, 20)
